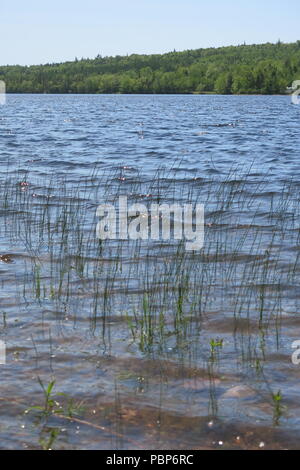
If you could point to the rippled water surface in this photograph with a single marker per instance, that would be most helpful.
(150, 346)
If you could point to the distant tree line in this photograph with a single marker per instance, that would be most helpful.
(255, 69)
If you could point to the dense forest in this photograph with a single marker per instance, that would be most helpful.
(263, 69)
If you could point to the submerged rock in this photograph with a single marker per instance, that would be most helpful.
(239, 391)
(6, 258)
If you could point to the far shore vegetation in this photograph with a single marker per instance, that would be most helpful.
(246, 69)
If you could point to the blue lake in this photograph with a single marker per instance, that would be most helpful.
(152, 346)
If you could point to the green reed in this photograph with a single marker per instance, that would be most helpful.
(162, 292)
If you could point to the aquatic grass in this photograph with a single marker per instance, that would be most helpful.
(278, 407)
(155, 298)
(215, 346)
(51, 405)
(234, 272)
(48, 438)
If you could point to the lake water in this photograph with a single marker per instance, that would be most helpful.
(150, 346)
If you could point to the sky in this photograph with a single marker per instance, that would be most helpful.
(43, 31)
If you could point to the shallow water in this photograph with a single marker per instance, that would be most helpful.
(152, 346)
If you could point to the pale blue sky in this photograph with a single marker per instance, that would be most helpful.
(37, 31)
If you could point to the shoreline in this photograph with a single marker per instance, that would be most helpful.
(149, 94)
